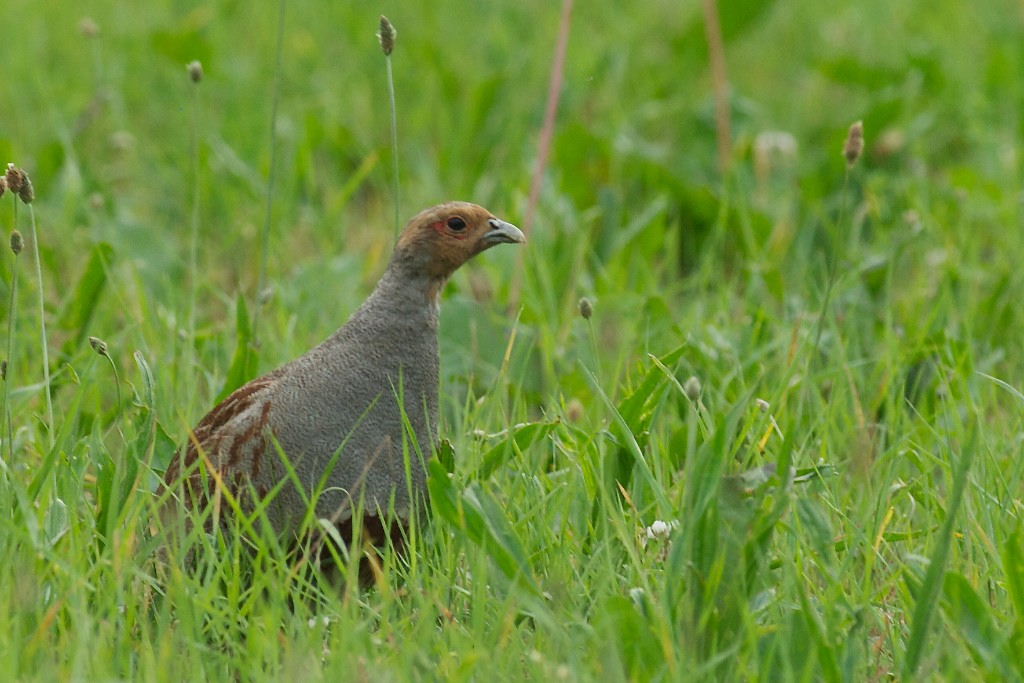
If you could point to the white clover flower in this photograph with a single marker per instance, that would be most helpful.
(660, 529)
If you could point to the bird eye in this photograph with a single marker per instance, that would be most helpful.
(456, 223)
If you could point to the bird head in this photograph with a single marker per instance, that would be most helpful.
(440, 239)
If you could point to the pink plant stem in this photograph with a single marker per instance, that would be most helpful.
(546, 131)
(544, 143)
(719, 82)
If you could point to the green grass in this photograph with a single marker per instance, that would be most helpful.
(865, 525)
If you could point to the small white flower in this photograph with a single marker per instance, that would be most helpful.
(660, 529)
(311, 623)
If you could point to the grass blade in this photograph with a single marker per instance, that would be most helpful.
(932, 585)
(665, 508)
(81, 306)
(243, 362)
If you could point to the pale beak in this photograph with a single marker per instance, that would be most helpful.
(502, 232)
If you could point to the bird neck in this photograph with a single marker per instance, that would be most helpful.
(408, 290)
(414, 273)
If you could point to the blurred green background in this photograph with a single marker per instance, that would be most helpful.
(101, 114)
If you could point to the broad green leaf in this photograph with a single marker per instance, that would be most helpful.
(148, 384)
(517, 439)
(446, 455)
(482, 512)
(55, 521)
(443, 497)
(633, 448)
(475, 513)
(636, 409)
(635, 414)
(79, 308)
(164, 448)
(629, 636)
(243, 362)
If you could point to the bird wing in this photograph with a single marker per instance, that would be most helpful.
(230, 440)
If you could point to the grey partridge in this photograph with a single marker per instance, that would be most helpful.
(357, 416)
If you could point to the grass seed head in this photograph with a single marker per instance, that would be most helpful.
(586, 308)
(3, 185)
(854, 144)
(19, 183)
(195, 70)
(27, 193)
(386, 36)
(99, 346)
(17, 242)
(13, 177)
(88, 27)
(574, 410)
(692, 388)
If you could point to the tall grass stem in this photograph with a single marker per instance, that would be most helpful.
(193, 250)
(832, 259)
(719, 83)
(11, 326)
(42, 326)
(931, 587)
(261, 281)
(394, 145)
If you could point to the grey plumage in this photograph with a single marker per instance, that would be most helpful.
(357, 412)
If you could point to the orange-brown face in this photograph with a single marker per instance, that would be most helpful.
(442, 238)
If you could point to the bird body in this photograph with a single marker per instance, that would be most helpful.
(356, 417)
